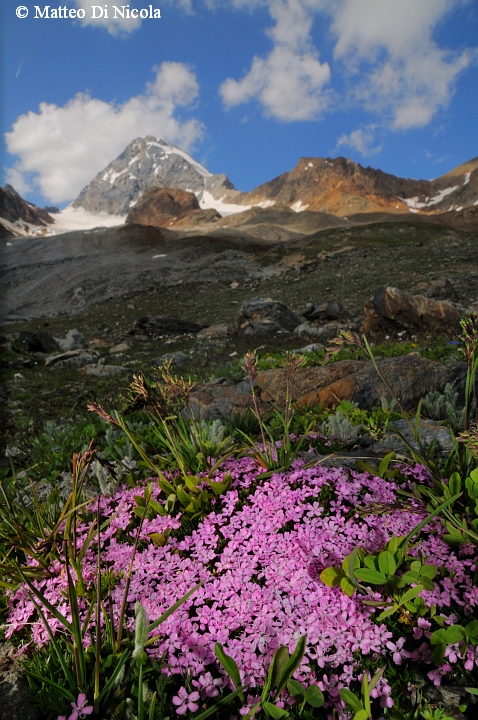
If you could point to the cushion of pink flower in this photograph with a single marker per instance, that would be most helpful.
(260, 560)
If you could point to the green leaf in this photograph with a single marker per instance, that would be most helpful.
(386, 563)
(438, 637)
(411, 594)
(454, 483)
(370, 561)
(388, 612)
(472, 691)
(351, 700)
(362, 715)
(230, 666)
(296, 689)
(471, 629)
(314, 696)
(158, 538)
(157, 507)
(292, 665)
(332, 576)
(166, 487)
(428, 571)
(183, 497)
(438, 653)
(371, 576)
(275, 712)
(454, 634)
(218, 488)
(278, 664)
(347, 587)
(192, 482)
(376, 678)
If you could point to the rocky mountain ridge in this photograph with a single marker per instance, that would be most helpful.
(338, 187)
(148, 162)
(17, 216)
(342, 187)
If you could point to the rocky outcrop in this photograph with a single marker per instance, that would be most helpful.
(443, 289)
(264, 316)
(14, 208)
(155, 327)
(324, 311)
(165, 207)
(411, 378)
(146, 163)
(15, 696)
(391, 309)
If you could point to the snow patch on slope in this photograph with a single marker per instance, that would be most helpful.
(78, 218)
(207, 201)
(415, 204)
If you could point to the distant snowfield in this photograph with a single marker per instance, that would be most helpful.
(72, 218)
(207, 202)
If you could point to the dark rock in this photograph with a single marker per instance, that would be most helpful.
(428, 431)
(103, 370)
(321, 312)
(71, 358)
(38, 342)
(51, 209)
(15, 703)
(220, 399)
(154, 327)
(216, 332)
(411, 377)
(390, 310)
(450, 697)
(178, 359)
(264, 316)
(443, 289)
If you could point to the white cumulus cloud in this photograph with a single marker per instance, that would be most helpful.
(61, 148)
(290, 82)
(395, 66)
(361, 140)
(385, 50)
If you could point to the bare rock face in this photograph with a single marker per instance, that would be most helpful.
(264, 316)
(148, 162)
(443, 289)
(391, 309)
(15, 699)
(14, 208)
(324, 311)
(411, 377)
(158, 206)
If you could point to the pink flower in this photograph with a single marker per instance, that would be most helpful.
(185, 701)
(398, 652)
(80, 710)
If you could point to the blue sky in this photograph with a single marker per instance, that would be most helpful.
(246, 86)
